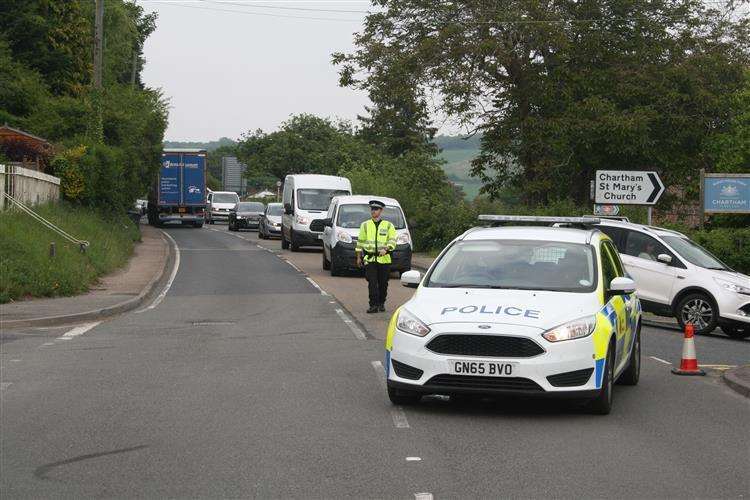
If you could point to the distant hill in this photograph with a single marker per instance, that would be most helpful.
(458, 152)
(208, 146)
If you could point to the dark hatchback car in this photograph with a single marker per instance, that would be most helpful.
(246, 215)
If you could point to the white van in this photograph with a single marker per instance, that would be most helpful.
(307, 197)
(219, 204)
(341, 228)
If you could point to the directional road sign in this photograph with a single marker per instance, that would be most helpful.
(627, 187)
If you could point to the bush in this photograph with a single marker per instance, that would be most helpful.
(730, 245)
(26, 269)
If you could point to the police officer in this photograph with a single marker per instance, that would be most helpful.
(377, 240)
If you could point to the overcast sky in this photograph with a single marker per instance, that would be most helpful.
(229, 72)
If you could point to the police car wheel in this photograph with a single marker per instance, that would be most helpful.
(602, 404)
(402, 397)
(632, 373)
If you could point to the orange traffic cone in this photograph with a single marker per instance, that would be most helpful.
(689, 362)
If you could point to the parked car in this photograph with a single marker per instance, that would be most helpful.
(341, 229)
(677, 277)
(245, 215)
(270, 221)
(141, 206)
(220, 203)
(307, 197)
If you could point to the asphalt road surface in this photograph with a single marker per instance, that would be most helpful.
(247, 381)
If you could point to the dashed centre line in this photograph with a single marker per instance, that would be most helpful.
(660, 360)
(351, 324)
(79, 330)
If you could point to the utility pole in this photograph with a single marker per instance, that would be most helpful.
(98, 43)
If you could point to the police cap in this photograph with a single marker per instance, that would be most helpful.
(376, 204)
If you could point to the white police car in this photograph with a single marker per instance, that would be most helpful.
(518, 310)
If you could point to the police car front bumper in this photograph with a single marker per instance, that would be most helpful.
(562, 369)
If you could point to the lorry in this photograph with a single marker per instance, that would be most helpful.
(179, 191)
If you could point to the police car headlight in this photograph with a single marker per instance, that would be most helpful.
(343, 236)
(409, 323)
(575, 329)
(403, 239)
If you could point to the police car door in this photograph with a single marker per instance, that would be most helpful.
(619, 306)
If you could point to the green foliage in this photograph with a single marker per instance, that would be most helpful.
(730, 245)
(560, 90)
(730, 147)
(45, 70)
(26, 268)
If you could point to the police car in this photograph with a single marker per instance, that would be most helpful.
(529, 310)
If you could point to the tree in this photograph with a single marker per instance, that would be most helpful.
(560, 89)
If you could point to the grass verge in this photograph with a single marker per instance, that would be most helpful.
(26, 268)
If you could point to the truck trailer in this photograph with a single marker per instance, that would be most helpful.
(179, 193)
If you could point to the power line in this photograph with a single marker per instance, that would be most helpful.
(221, 2)
(266, 14)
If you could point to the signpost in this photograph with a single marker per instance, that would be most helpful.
(724, 194)
(628, 187)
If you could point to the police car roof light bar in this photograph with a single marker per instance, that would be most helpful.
(539, 218)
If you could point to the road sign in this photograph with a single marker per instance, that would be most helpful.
(725, 193)
(606, 209)
(627, 187)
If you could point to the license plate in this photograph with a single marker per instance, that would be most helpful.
(481, 368)
(182, 210)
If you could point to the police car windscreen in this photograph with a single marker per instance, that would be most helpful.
(352, 216)
(522, 265)
(317, 199)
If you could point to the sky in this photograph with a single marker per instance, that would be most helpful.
(228, 69)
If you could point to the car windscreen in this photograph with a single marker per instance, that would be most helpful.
(516, 264)
(250, 206)
(352, 216)
(225, 198)
(275, 210)
(317, 199)
(693, 252)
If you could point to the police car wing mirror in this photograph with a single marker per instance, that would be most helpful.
(288, 209)
(664, 258)
(621, 286)
(411, 279)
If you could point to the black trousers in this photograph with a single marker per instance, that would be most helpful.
(377, 282)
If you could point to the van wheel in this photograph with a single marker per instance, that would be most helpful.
(326, 262)
(294, 245)
(602, 403)
(698, 309)
(632, 373)
(284, 243)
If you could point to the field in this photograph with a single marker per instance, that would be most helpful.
(457, 168)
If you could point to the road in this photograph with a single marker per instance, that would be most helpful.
(247, 381)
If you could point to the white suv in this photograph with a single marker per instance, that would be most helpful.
(677, 277)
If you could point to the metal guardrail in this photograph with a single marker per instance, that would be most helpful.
(82, 244)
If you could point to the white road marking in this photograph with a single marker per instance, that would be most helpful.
(176, 266)
(413, 459)
(312, 282)
(295, 267)
(15, 360)
(397, 413)
(660, 360)
(5, 385)
(351, 324)
(48, 343)
(79, 330)
(422, 496)
(718, 367)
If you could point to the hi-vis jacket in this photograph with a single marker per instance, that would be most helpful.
(371, 240)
